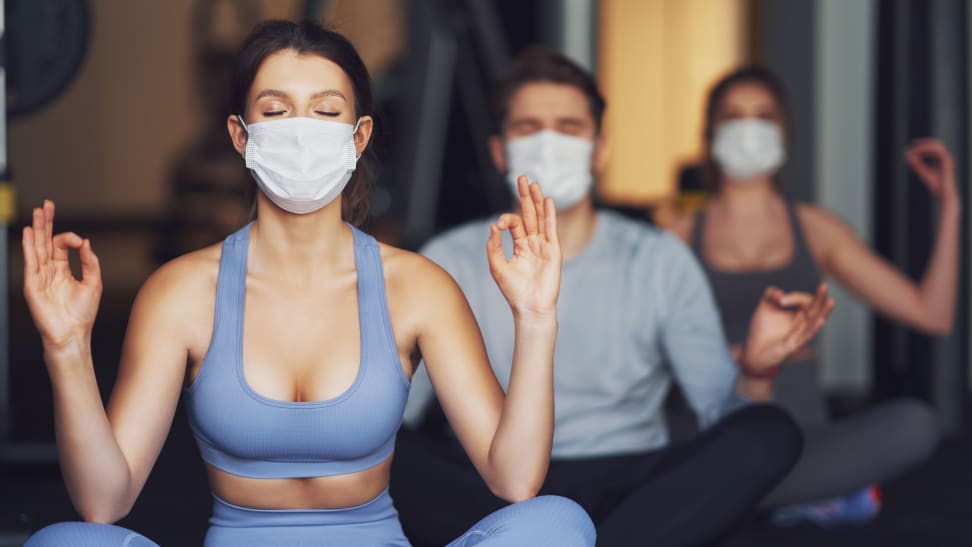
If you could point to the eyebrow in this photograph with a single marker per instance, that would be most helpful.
(281, 94)
(523, 120)
(329, 93)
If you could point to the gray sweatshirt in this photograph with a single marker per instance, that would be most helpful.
(634, 313)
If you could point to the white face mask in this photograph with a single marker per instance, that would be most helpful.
(301, 164)
(560, 163)
(748, 148)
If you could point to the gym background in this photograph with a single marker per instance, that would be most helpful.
(117, 109)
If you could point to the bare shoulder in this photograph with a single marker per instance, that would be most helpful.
(683, 226)
(826, 233)
(414, 274)
(184, 283)
(424, 301)
(819, 223)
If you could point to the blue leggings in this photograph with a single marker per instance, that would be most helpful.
(545, 520)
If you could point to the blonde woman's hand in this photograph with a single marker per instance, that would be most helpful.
(939, 175)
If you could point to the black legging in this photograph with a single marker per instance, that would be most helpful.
(689, 494)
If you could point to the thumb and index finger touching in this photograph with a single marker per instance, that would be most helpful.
(41, 246)
(537, 216)
(811, 303)
(923, 149)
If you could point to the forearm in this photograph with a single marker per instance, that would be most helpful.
(759, 390)
(939, 285)
(95, 471)
(748, 386)
(520, 451)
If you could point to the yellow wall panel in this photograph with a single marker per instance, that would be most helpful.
(657, 59)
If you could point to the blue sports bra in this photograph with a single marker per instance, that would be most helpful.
(244, 433)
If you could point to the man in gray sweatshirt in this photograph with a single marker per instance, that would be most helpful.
(635, 314)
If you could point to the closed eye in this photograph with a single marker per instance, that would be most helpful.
(274, 113)
(331, 114)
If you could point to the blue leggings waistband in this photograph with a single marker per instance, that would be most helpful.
(372, 523)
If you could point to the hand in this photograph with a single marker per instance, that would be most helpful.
(530, 280)
(63, 307)
(782, 325)
(939, 177)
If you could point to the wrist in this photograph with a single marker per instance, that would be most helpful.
(535, 317)
(951, 208)
(536, 326)
(756, 372)
(70, 350)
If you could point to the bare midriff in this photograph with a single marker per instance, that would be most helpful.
(335, 492)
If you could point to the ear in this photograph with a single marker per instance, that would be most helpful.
(237, 134)
(600, 157)
(498, 152)
(366, 124)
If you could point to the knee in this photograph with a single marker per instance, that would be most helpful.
(915, 425)
(767, 438)
(62, 533)
(86, 534)
(564, 521)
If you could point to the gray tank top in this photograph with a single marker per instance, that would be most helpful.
(737, 293)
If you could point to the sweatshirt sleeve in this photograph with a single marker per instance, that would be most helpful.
(692, 335)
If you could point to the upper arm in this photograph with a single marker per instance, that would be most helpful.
(456, 362)
(843, 255)
(453, 257)
(153, 366)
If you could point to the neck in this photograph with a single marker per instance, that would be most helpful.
(746, 197)
(575, 227)
(299, 247)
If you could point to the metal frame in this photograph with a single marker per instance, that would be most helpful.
(5, 421)
(445, 38)
(10, 452)
(923, 92)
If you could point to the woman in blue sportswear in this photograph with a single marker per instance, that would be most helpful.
(293, 341)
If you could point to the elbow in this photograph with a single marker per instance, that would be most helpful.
(522, 495)
(940, 326)
(106, 502)
(102, 517)
(102, 513)
(517, 491)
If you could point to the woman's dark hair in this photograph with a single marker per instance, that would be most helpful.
(539, 64)
(309, 38)
(746, 75)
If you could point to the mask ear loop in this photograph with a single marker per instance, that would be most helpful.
(246, 153)
(355, 130)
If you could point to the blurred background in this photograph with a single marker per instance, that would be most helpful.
(117, 110)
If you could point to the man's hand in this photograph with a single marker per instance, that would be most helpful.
(782, 324)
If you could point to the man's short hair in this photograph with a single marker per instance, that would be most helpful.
(539, 64)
